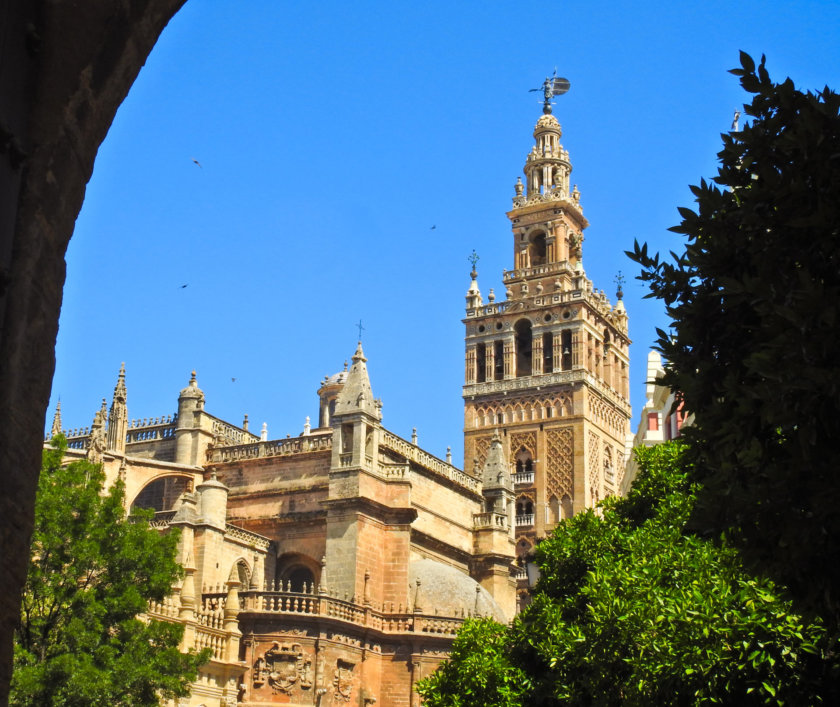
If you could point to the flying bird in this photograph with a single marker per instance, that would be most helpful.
(197, 162)
(182, 287)
(433, 228)
(233, 380)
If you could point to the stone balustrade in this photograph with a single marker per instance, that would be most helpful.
(490, 520)
(226, 434)
(246, 537)
(525, 519)
(414, 454)
(316, 602)
(274, 448)
(523, 477)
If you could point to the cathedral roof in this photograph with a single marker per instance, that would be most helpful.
(336, 378)
(449, 592)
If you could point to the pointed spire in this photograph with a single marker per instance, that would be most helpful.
(118, 417)
(473, 294)
(356, 395)
(97, 440)
(496, 473)
(119, 388)
(56, 424)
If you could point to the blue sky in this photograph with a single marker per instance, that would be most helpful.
(332, 136)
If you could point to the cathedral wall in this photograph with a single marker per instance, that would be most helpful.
(309, 665)
(443, 512)
(342, 540)
(396, 686)
(279, 474)
(163, 450)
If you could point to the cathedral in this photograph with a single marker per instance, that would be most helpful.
(335, 567)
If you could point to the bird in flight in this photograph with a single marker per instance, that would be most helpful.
(433, 228)
(197, 162)
(183, 286)
(233, 380)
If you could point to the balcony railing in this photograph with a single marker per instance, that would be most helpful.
(524, 477)
(527, 519)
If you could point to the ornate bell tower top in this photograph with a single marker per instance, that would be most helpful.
(547, 217)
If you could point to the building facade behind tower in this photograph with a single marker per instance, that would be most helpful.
(548, 366)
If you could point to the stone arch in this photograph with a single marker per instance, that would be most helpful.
(161, 492)
(554, 510)
(242, 571)
(523, 547)
(566, 509)
(524, 506)
(59, 109)
(297, 572)
(523, 460)
(537, 249)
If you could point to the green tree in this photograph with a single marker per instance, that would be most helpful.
(632, 609)
(92, 571)
(755, 304)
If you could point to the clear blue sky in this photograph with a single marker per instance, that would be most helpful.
(332, 137)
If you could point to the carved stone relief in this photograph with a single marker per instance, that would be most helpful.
(283, 667)
(343, 680)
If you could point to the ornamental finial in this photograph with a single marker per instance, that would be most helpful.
(473, 260)
(619, 283)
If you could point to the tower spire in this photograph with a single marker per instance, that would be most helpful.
(356, 395)
(118, 417)
(56, 423)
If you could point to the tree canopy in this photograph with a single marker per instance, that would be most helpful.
(755, 304)
(92, 571)
(634, 609)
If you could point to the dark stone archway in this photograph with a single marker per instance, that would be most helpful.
(65, 68)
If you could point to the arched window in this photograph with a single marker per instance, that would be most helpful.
(243, 574)
(297, 573)
(524, 463)
(536, 250)
(481, 363)
(498, 360)
(553, 510)
(566, 507)
(566, 350)
(523, 348)
(548, 353)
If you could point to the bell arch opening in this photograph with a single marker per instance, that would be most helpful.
(524, 342)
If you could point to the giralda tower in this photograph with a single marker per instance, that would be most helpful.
(547, 367)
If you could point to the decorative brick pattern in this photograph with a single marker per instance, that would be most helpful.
(560, 463)
(594, 467)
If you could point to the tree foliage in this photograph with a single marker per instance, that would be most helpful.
(632, 609)
(91, 572)
(755, 304)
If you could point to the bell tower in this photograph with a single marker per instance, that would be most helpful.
(547, 367)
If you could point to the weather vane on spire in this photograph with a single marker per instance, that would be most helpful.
(361, 329)
(619, 284)
(552, 86)
(473, 259)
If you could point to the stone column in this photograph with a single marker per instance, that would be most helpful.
(510, 358)
(469, 365)
(536, 354)
(557, 350)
